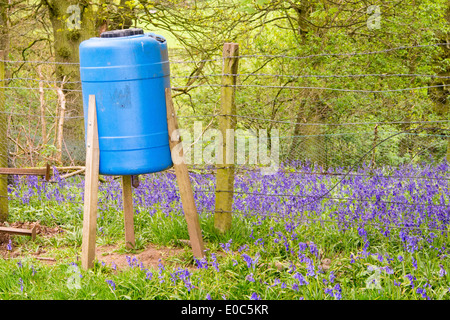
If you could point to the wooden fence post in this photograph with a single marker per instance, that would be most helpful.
(184, 183)
(90, 188)
(3, 143)
(227, 121)
(127, 196)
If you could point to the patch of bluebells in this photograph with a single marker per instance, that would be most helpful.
(184, 276)
(405, 217)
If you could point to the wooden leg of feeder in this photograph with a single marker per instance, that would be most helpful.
(127, 195)
(184, 184)
(90, 188)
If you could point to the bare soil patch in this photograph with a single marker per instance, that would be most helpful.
(150, 257)
(42, 231)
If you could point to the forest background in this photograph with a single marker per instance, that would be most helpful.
(336, 78)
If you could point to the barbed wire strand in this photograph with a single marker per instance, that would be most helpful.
(348, 54)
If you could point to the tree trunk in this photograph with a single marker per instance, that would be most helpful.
(72, 22)
(4, 30)
(440, 95)
(308, 142)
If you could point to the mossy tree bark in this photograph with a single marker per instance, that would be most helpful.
(73, 21)
(4, 34)
(308, 142)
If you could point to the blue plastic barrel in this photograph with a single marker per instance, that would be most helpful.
(128, 72)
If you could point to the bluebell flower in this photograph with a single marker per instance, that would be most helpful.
(313, 248)
(9, 245)
(310, 269)
(411, 278)
(243, 248)
(208, 297)
(259, 241)
(226, 246)
(335, 292)
(302, 246)
(255, 296)
(112, 284)
(380, 257)
(276, 282)
(248, 260)
(442, 271)
(250, 278)
(414, 263)
(201, 264)
(387, 269)
(332, 277)
(214, 262)
(301, 280)
(423, 293)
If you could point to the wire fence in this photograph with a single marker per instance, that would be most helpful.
(332, 169)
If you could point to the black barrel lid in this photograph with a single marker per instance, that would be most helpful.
(121, 33)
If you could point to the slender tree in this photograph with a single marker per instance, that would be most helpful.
(72, 22)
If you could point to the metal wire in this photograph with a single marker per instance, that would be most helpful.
(312, 76)
(350, 54)
(31, 88)
(256, 75)
(308, 88)
(341, 54)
